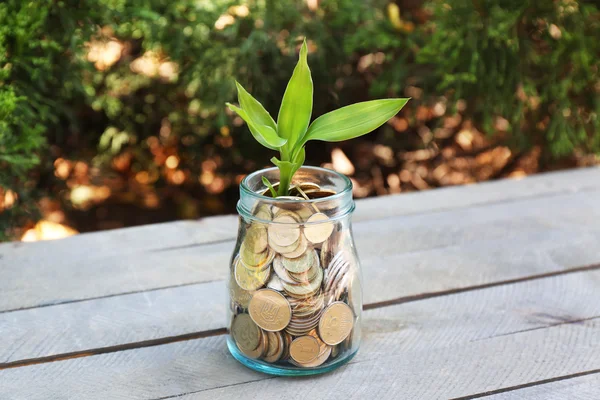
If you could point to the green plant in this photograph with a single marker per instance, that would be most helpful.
(292, 130)
(39, 75)
(532, 63)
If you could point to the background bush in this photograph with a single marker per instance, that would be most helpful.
(113, 106)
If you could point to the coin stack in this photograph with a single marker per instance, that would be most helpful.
(290, 286)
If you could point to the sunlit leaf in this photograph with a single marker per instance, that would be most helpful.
(300, 156)
(264, 134)
(352, 121)
(296, 106)
(254, 109)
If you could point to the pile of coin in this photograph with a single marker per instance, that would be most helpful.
(291, 282)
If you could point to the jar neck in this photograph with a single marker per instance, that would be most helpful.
(334, 206)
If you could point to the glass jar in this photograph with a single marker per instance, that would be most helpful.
(295, 284)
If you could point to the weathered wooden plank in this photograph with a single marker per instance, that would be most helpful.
(438, 373)
(163, 255)
(530, 241)
(442, 347)
(580, 388)
(38, 279)
(505, 190)
(111, 321)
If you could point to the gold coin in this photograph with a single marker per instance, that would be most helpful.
(250, 279)
(263, 212)
(281, 212)
(301, 330)
(340, 285)
(261, 349)
(303, 322)
(318, 229)
(337, 273)
(272, 341)
(308, 186)
(301, 264)
(274, 283)
(304, 349)
(270, 310)
(337, 263)
(255, 239)
(284, 231)
(305, 277)
(288, 203)
(255, 261)
(293, 198)
(284, 249)
(299, 250)
(307, 307)
(336, 323)
(296, 189)
(305, 290)
(281, 272)
(319, 194)
(324, 353)
(306, 312)
(287, 342)
(239, 295)
(274, 356)
(335, 350)
(328, 249)
(245, 332)
(305, 213)
(309, 323)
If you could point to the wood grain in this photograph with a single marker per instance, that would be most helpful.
(481, 246)
(443, 347)
(158, 256)
(579, 388)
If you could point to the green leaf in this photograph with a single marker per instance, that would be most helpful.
(299, 157)
(263, 134)
(352, 121)
(266, 182)
(254, 109)
(296, 106)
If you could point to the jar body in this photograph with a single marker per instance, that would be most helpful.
(295, 295)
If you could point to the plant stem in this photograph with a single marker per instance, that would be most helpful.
(284, 183)
(284, 176)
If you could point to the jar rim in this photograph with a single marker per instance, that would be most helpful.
(247, 191)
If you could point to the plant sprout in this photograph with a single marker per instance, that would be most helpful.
(292, 130)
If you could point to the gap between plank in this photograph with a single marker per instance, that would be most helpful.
(527, 385)
(216, 387)
(424, 296)
(115, 348)
(564, 322)
(106, 296)
(222, 331)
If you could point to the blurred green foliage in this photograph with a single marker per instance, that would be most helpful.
(39, 77)
(534, 63)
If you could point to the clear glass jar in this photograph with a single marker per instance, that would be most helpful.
(295, 284)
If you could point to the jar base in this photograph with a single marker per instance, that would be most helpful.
(279, 370)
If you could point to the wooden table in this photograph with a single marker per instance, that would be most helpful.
(490, 290)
